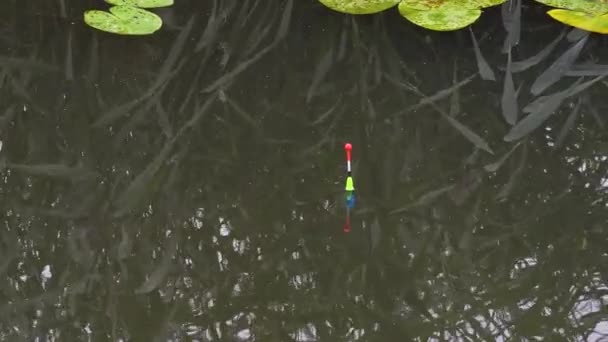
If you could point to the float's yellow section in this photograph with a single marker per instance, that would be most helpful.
(349, 184)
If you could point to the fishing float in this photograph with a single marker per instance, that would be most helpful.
(348, 147)
(349, 188)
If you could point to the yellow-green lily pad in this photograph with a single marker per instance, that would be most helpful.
(442, 18)
(596, 7)
(430, 4)
(359, 6)
(581, 20)
(488, 3)
(142, 3)
(444, 15)
(125, 20)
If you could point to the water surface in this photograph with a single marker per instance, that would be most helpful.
(188, 186)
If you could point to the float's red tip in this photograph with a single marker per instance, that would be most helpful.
(348, 147)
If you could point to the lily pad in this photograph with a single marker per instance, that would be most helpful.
(142, 3)
(359, 6)
(596, 7)
(126, 20)
(581, 20)
(488, 3)
(430, 4)
(445, 17)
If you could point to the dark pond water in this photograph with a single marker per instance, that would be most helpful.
(188, 186)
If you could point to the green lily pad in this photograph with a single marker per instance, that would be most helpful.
(359, 6)
(596, 7)
(445, 17)
(126, 20)
(142, 3)
(488, 3)
(431, 4)
(581, 20)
